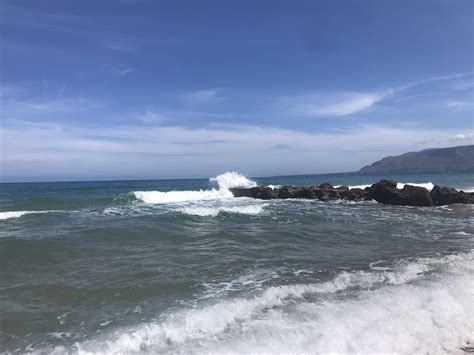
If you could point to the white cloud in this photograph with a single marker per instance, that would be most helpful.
(123, 72)
(456, 106)
(151, 116)
(203, 96)
(67, 151)
(338, 105)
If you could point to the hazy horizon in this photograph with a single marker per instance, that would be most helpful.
(127, 90)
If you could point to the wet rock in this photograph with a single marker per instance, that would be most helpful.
(244, 192)
(446, 196)
(355, 194)
(289, 192)
(383, 191)
(267, 193)
(414, 196)
(386, 192)
(326, 186)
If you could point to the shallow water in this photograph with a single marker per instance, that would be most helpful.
(124, 267)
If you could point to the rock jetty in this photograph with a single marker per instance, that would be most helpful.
(384, 191)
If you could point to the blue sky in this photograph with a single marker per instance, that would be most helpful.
(159, 89)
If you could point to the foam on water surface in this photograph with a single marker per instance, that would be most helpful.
(17, 214)
(223, 181)
(421, 306)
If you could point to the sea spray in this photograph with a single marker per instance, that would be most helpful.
(224, 183)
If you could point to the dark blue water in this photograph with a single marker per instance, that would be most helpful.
(180, 266)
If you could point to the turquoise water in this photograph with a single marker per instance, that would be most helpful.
(180, 266)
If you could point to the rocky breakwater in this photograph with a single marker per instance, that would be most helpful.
(384, 191)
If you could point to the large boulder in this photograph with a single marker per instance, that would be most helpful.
(383, 191)
(414, 196)
(267, 193)
(289, 192)
(326, 186)
(244, 192)
(447, 196)
(386, 192)
(354, 194)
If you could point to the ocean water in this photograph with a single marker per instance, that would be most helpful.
(180, 266)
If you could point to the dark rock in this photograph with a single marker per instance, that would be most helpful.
(289, 192)
(334, 194)
(386, 192)
(343, 187)
(447, 196)
(355, 194)
(326, 186)
(414, 196)
(244, 192)
(308, 193)
(321, 194)
(267, 193)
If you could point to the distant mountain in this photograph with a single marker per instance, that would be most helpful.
(435, 160)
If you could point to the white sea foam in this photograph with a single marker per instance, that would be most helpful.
(224, 182)
(400, 185)
(214, 211)
(17, 214)
(424, 306)
(232, 179)
(274, 186)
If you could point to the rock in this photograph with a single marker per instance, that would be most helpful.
(354, 194)
(343, 187)
(414, 196)
(267, 193)
(321, 194)
(308, 193)
(326, 186)
(447, 196)
(386, 192)
(289, 192)
(244, 192)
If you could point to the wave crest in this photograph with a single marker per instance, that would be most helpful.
(224, 181)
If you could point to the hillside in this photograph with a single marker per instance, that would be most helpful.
(447, 160)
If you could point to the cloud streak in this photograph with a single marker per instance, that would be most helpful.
(337, 105)
(130, 151)
(203, 96)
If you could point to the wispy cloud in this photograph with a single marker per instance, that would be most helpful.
(122, 47)
(341, 104)
(203, 96)
(136, 151)
(338, 105)
(151, 116)
(126, 71)
(457, 106)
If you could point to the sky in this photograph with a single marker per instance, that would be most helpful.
(137, 89)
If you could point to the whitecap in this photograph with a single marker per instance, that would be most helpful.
(17, 214)
(224, 182)
(423, 306)
(214, 211)
(400, 185)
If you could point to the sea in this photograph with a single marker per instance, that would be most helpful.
(183, 267)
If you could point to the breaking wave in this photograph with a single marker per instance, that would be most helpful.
(224, 183)
(420, 306)
(17, 214)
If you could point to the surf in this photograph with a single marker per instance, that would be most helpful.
(224, 182)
